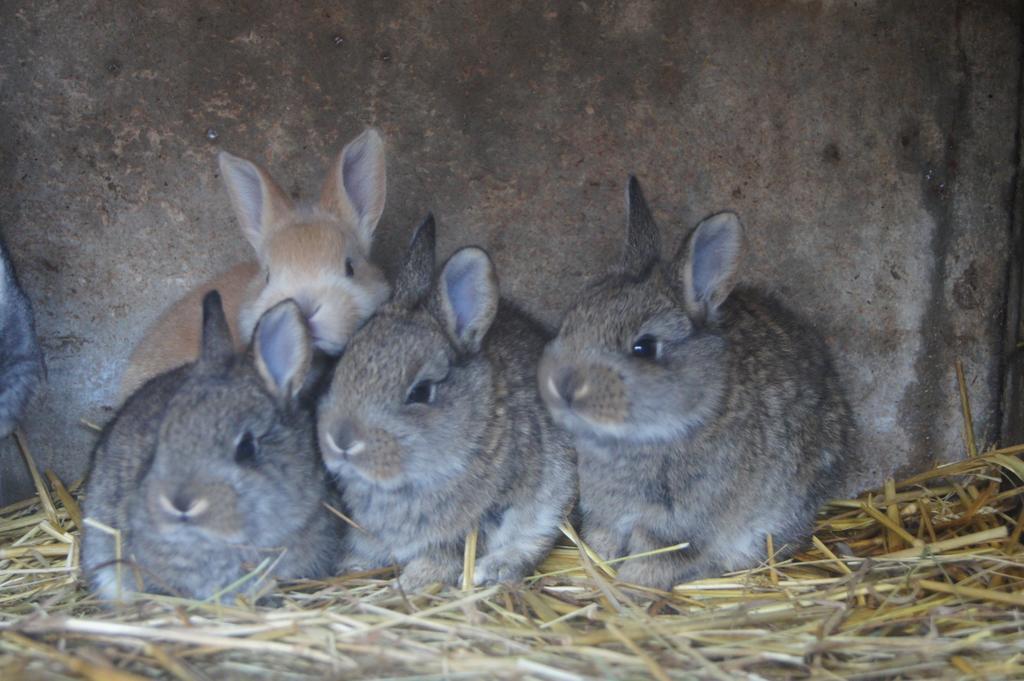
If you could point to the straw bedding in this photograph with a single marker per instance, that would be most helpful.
(923, 578)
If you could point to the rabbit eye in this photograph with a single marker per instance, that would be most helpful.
(646, 347)
(266, 279)
(245, 450)
(421, 393)
(350, 271)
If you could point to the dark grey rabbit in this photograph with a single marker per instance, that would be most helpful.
(434, 426)
(211, 468)
(700, 413)
(21, 361)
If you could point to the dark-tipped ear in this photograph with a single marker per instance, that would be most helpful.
(467, 297)
(417, 273)
(708, 262)
(642, 246)
(259, 203)
(356, 185)
(282, 349)
(216, 346)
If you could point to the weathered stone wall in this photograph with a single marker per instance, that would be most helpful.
(868, 146)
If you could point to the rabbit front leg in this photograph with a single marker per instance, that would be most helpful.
(363, 551)
(663, 570)
(440, 564)
(522, 540)
(19, 376)
(608, 542)
(109, 579)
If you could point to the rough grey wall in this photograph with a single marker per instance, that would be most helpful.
(868, 146)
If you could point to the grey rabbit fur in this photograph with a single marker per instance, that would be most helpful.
(433, 426)
(701, 414)
(21, 361)
(211, 468)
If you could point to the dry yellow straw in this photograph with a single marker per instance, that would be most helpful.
(70, 505)
(37, 480)
(469, 560)
(950, 544)
(919, 579)
(965, 405)
(90, 670)
(970, 592)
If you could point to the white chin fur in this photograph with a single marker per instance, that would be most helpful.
(329, 347)
(625, 433)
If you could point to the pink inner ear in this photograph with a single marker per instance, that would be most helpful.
(465, 293)
(280, 343)
(357, 184)
(714, 261)
(360, 176)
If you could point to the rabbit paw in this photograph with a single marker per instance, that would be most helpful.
(604, 542)
(498, 568)
(419, 574)
(650, 573)
(351, 568)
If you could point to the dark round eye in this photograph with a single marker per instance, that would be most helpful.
(421, 393)
(245, 450)
(646, 347)
(350, 271)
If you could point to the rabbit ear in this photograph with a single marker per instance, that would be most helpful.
(357, 185)
(642, 244)
(216, 347)
(467, 295)
(417, 271)
(708, 263)
(259, 203)
(283, 349)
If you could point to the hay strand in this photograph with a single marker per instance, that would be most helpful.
(921, 579)
(845, 607)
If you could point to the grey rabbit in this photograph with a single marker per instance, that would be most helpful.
(700, 413)
(433, 425)
(21, 361)
(211, 468)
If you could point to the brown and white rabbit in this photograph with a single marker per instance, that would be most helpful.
(700, 413)
(21, 360)
(434, 426)
(212, 468)
(317, 256)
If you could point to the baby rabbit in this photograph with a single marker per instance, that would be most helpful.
(211, 468)
(698, 415)
(433, 426)
(21, 362)
(318, 256)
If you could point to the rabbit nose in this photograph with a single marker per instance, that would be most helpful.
(183, 506)
(345, 440)
(568, 385)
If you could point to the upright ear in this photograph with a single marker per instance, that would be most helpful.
(357, 185)
(708, 263)
(417, 273)
(283, 349)
(467, 297)
(642, 246)
(216, 347)
(259, 203)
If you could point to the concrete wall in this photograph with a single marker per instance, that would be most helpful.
(869, 147)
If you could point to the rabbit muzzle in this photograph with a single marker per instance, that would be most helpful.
(583, 396)
(372, 453)
(344, 441)
(208, 509)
